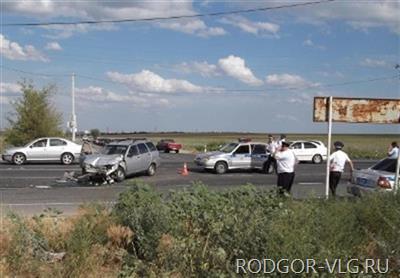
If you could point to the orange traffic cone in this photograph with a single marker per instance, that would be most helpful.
(185, 171)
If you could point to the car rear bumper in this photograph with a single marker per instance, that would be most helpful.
(359, 191)
(7, 157)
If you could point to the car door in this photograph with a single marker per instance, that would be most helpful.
(298, 150)
(310, 150)
(241, 157)
(56, 148)
(258, 155)
(145, 157)
(132, 160)
(38, 150)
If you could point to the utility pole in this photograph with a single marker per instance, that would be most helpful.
(73, 124)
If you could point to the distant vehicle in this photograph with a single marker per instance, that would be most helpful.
(379, 177)
(241, 155)
(123, 158)
(168, 145)
(314, 151)
(44, 149)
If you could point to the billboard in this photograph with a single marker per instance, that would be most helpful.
(358, 110)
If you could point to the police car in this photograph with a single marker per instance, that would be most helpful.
(236, 155)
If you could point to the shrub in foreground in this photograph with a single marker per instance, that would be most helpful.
(198, 232)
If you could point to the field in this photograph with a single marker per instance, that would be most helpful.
(357, 145)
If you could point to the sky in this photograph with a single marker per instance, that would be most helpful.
(247, 72)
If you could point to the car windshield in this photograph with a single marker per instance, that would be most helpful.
(228, 148)
(114, 149)
(387, 165)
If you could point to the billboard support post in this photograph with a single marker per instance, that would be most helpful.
(396, 179)
(328, 162)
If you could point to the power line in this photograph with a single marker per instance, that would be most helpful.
(314, 86)
(34, 24)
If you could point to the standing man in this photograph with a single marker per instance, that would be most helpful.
(393, 151)
(281, 140)
(286, 161)
(338, 161)
(271, 148)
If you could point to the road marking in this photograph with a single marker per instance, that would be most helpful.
(310, 183)
(42, 186)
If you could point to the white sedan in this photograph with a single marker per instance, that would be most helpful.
(314, 151)
(44, 149)
(379, 177)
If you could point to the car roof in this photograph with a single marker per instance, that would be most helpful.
(128, 142)
(307, 141)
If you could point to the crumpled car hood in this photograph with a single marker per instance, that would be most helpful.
(98, 160)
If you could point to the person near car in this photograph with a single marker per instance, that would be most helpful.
(338, 160)
(272, 146)
(393, 151)
(281, 140)
(286, 161)
(86, 146)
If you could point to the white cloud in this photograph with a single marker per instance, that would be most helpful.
(57, 32)
(192, 26)
(367, 62)
(106, 10)
(13, 51)
(286, 80)
(98, 94)
(203, 68)
(236, 67)
(361, 15)
(53, 46)
(10, 88)
(310, 43)
(147, 81)
(256, 28)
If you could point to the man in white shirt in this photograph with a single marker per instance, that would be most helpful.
(281, 140)
(393, 151)
(272, 146)
(338, 161)
(286, 161)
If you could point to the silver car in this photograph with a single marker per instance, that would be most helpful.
(379, 177)
(120, 159)
(44, 149)
(241, 155)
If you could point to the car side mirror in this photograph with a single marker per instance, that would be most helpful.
(31, 146)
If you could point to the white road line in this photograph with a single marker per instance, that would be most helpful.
(310, 183)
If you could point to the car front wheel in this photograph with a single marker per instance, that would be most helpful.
(221, 167)
(19, 158)
(151, 170)
(67, 158)
(119, 174)
(317, 159)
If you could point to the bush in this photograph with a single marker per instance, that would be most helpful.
(198, 232)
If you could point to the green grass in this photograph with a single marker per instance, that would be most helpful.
(371, 146)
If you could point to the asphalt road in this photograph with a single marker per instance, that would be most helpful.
(33, 187)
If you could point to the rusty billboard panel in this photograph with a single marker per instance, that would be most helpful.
(358, 110)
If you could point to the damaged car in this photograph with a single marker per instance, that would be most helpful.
(120, 159)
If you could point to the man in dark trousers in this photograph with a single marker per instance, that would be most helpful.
(286, 161)
(338, 160)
